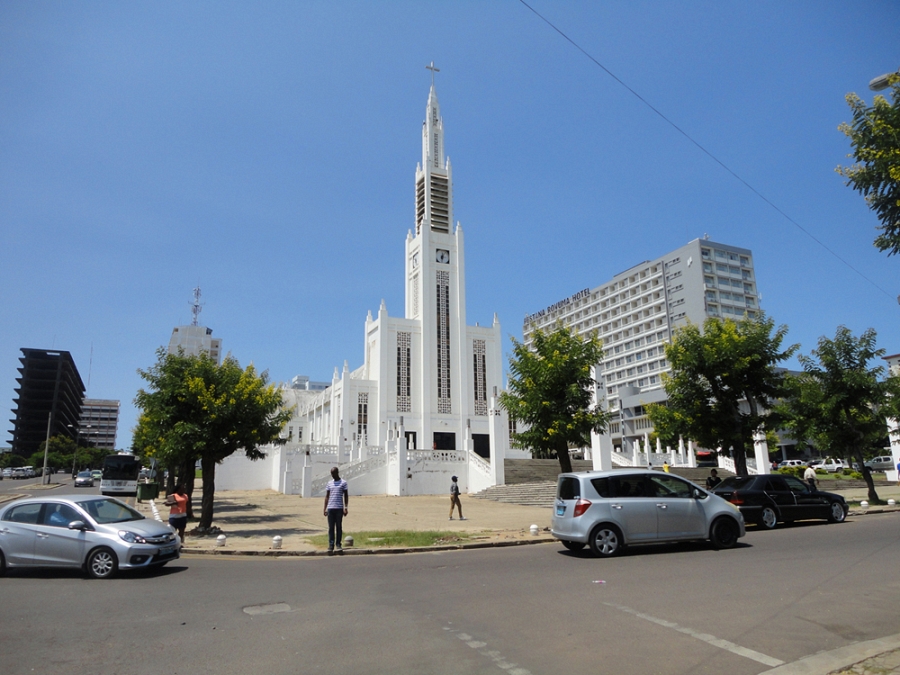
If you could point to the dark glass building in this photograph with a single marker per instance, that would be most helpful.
(49, 388)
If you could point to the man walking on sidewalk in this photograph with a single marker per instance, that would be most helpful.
(337, 499)
(454, 499)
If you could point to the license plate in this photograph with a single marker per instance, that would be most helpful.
(167, 550)
(560, 509)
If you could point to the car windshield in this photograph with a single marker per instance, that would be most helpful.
(106, 511)
(84, 474)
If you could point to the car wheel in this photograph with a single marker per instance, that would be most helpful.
(836, 513)
(573, 545)
(102, 563)
(2, 564)
(606, 541)
(768, 519)
(724, 533)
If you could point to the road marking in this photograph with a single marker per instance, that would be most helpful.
(706, 637)
(496, 657)
(277, 608)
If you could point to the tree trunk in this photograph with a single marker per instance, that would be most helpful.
(565, 462)
(208, 465)
(739, 455)
(867, 476)
(186, 473)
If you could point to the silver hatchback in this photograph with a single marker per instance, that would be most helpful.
(608, 510)
(99, 534)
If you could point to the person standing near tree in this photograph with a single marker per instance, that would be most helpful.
(178, 503)
(337, 499)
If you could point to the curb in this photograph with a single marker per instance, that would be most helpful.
(838, 659)
(278, 553)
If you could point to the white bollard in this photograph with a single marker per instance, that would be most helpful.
(534, 530)
(348, 541)
(220, 540)
(276, 541)
(864, 506)
(891, 502)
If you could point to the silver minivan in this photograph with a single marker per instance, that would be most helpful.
(608, 510)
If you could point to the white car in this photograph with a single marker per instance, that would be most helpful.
(790, 463)
(882, 463)
(832, 465)
(609, 510)
(97, 534)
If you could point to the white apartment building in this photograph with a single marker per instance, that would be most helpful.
(635, 313)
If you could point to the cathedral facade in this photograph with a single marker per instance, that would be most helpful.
(424, 398)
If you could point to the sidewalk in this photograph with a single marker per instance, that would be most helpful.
(251, 518)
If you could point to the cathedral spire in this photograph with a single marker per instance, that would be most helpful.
(434, 202)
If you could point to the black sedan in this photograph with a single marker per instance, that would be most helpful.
(768, 500)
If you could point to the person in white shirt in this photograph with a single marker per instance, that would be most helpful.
(810, 477)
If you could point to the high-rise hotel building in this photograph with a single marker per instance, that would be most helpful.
(635, 314)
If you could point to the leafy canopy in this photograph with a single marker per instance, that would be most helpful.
(840, 403)
(551, 393)
(723, 382)
(195, 409)
(875, 137)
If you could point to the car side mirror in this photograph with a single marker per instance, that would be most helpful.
(77, 525)
(699, 494)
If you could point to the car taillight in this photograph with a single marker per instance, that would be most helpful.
(736, 498)
(581, 506)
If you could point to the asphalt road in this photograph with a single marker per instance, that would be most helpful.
(538, 609)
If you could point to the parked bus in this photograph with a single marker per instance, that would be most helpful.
(120, 475)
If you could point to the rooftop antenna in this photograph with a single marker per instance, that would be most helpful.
(196, 307)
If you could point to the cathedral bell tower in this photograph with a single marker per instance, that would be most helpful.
(435, 288)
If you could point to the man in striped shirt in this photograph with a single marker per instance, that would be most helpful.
(337, 498)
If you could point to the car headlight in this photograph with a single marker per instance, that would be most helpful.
(131, 537)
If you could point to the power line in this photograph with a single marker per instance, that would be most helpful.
(701, 148)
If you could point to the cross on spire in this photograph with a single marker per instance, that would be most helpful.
(433, 71)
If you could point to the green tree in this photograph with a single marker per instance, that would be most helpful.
(875, 137)
(195, 409)
(723, 383)
(840, 403)
(551, 391)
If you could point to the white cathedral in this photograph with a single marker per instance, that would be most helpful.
(423, 405)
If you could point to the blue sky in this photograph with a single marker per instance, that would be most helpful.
(266, 151)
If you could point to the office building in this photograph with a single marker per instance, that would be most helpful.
(99, 423)
(49, 391)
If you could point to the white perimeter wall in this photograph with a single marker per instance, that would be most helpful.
(236, 472)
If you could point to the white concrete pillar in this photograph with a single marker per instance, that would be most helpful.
(306, 488)
(496, 436)
(400, 444)
(893, 426)
(691, 455)
(761, 451)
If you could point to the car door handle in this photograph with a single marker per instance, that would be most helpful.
(662, 506)
(616, 506)
(41, 535)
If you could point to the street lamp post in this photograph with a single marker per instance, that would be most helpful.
(44, 475)
(77, 439)
(882, 81)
